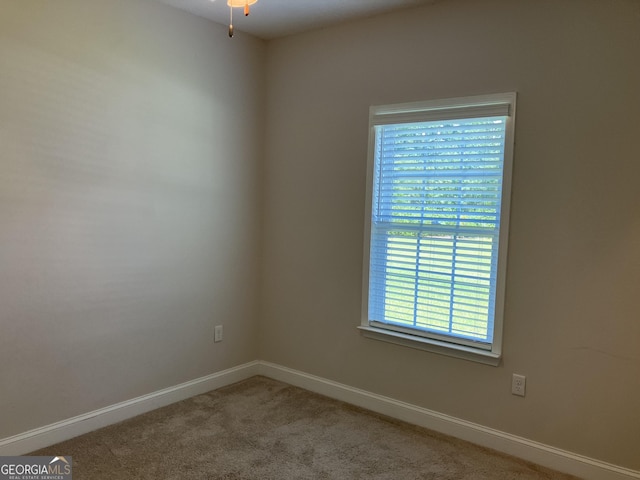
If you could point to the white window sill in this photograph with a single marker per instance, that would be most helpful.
(434, 346)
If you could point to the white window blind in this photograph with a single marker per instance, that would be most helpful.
(437, 199)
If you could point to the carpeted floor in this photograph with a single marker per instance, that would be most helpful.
(261, 429)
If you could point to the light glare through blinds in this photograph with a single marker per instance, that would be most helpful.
(435, 225)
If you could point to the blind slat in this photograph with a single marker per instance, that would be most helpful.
(435, 220)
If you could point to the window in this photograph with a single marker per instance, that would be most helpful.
(438, 197)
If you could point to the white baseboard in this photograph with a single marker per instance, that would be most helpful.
(72, 427)
(545, 455)
(561, 460)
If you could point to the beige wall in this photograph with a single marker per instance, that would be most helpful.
(131, 138)
(130, 145)
(572, 302)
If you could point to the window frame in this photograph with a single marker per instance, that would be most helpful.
(444, 109)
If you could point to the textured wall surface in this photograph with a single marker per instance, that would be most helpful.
(571, 314)
(130, 145)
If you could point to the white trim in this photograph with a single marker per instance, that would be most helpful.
(431, 345)
(498, 104)
(88, 422)
(545, 455)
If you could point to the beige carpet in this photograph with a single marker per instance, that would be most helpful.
(262, 429)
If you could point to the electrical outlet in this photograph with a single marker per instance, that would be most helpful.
(217, 333)
(518, 384)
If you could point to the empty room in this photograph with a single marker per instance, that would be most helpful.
(390, 239)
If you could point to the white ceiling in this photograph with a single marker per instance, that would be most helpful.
(277, 18)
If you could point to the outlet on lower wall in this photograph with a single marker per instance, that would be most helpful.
(217, 333)
(518, 384)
